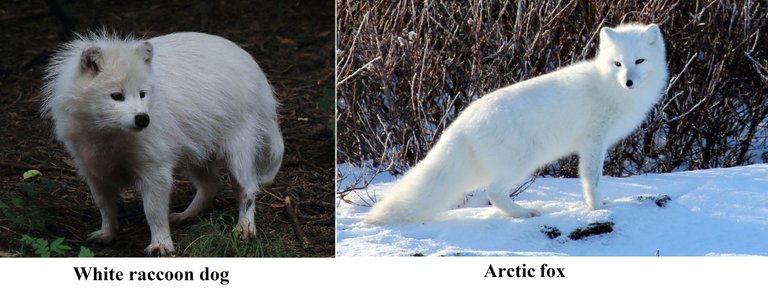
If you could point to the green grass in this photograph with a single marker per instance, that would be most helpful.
(214, 236)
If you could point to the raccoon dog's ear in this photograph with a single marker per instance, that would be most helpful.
(145, 50)
(652, 34)
(91, 60)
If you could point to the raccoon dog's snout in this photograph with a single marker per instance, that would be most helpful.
(141, 120)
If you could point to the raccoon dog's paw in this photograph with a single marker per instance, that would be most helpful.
(159, 249)
(102, 236)
(245, 229)
(177, 218)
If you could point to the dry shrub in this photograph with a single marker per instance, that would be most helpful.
(405, 69)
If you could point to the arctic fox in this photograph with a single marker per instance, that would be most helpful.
(131, 111)
(501, 138)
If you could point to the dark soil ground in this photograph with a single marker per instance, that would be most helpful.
(293, 41)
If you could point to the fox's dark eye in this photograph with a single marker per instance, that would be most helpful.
(142, 94)
(641, 60)
(618, 64)
(117, 96)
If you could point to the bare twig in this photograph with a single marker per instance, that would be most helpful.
(290, 208)
(364, 67)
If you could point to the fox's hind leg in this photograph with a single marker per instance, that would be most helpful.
(105, 196)
(206, 180)
(508, 173)
(498, 194)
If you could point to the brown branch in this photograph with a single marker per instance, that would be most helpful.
(290, 208)
(320, 218)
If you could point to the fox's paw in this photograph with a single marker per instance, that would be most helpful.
(522, 213)
(102, 236)
(592, 206)
(530, 213)
(159, 249)
(245, 229)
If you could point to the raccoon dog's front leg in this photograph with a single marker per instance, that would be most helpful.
(590, 169)
(105, 196)
(155, 187)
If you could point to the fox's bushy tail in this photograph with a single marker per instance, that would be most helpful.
(433, 185)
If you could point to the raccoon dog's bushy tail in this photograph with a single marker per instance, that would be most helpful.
(272, 153)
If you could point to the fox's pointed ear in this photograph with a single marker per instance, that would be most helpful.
(91, 60)
(652, 34)
(607, 34)
(145, 50)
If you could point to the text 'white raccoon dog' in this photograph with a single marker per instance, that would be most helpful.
(503, 137)
(131, 111)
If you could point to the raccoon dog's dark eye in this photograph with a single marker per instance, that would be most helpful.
(618, 64)
(117, 96)
(142, 94)
(641, 60)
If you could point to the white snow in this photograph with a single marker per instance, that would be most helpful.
(721, 212)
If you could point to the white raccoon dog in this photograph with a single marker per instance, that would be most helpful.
(130, 112)
(504, 136)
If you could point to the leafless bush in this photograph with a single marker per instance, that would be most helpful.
(405, 69)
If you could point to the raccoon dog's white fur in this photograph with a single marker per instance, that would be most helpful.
(132, 111)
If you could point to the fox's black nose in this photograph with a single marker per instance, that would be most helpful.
(141, 120)
(629, 83)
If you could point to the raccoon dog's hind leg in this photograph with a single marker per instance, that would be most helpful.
(206, 180)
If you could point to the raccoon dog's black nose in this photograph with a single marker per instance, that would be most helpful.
(141, 120)
(629, 83)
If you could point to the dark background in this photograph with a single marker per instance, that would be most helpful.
(293, 43)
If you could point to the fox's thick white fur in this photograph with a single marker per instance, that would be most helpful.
(503, 137)
(207, 102)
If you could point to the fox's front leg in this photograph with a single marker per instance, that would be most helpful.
(590, 169)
